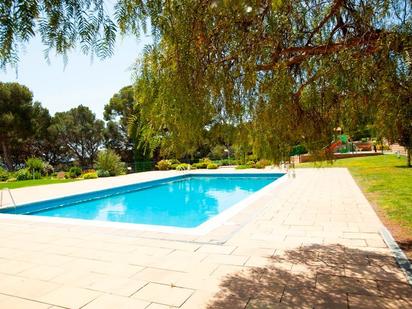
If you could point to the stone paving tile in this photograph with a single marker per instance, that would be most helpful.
(375, 302)
(14, 267)
(163, 294)
(118, 286)
(159, 306)
(25, 288)
(158, 275)
(42, 272)
(328, 283)
(9, 302)
(69, 297)
(116, 302)
(314, 298)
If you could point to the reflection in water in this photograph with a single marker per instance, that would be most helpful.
(111, 209)
(184, 203)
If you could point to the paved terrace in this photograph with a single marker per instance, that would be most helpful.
(312, 242)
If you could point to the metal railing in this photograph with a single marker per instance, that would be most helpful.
(2, 195)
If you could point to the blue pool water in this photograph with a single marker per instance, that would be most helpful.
(182, 201)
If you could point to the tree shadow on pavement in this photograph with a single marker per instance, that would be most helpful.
(318, 276)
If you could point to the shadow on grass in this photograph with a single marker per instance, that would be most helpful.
(317, 276)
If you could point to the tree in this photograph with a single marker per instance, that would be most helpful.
(16, 110)
(79, 129)
(117, 113)
(292, 71)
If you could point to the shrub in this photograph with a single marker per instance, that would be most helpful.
(163, 165)
(262, 163)
(212, 166)
(36, 175)
(4, 175)
(75, 172)
(203, 163)
(61, 175)
(110, 161)
(48, 169)
(90, 175)
(35, 164)
(251, 164)
(183, 167)
(23, 174)
(89, 171)
(11, 180)
(174, 161)
(103, 173)
(242, 167)
(174, 166)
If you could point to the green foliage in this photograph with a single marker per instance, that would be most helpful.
(103, 173)
(117, 114)
(212, 166)
(16, 111)
(4, 175)
(251, 164)
(183, 167)
(81, 132)
(23, 174)
(36, 175)
(298, 150)
(109, 160)
(163, 165)
(218, 152)
(203, 163)
(75, 172)
(262, 163)
(90, 175)
(35, 164)
(242, 167)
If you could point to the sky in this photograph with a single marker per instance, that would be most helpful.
(82, 81)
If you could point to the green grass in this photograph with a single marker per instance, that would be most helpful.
(30, 183)
(386, 181)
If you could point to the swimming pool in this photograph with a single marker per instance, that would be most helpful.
(184, 201)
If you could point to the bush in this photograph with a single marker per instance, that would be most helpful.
(48, 169)
(90, 175)
(262, 163)
(11, 180)
(61, 175)
(110, 161)
(183, 167)
(35, 164)
(103, 173)
(174, 166)
(23, 174)
(251, 164)
(242, 167)
(203, 163)
(4, 175)
(226, 162)
(163, 165)
(36, 175)
(174, 161)
(75, 172)
(212, 166)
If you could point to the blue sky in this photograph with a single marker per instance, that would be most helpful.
(81, 81)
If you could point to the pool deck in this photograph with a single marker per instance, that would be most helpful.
(313, 241)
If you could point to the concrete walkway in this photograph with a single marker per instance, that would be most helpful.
(312, 242)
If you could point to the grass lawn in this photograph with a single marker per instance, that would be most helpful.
(387, 183)
(30, 183)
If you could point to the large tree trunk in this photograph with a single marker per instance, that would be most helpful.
(6, 157)
(409, 156)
